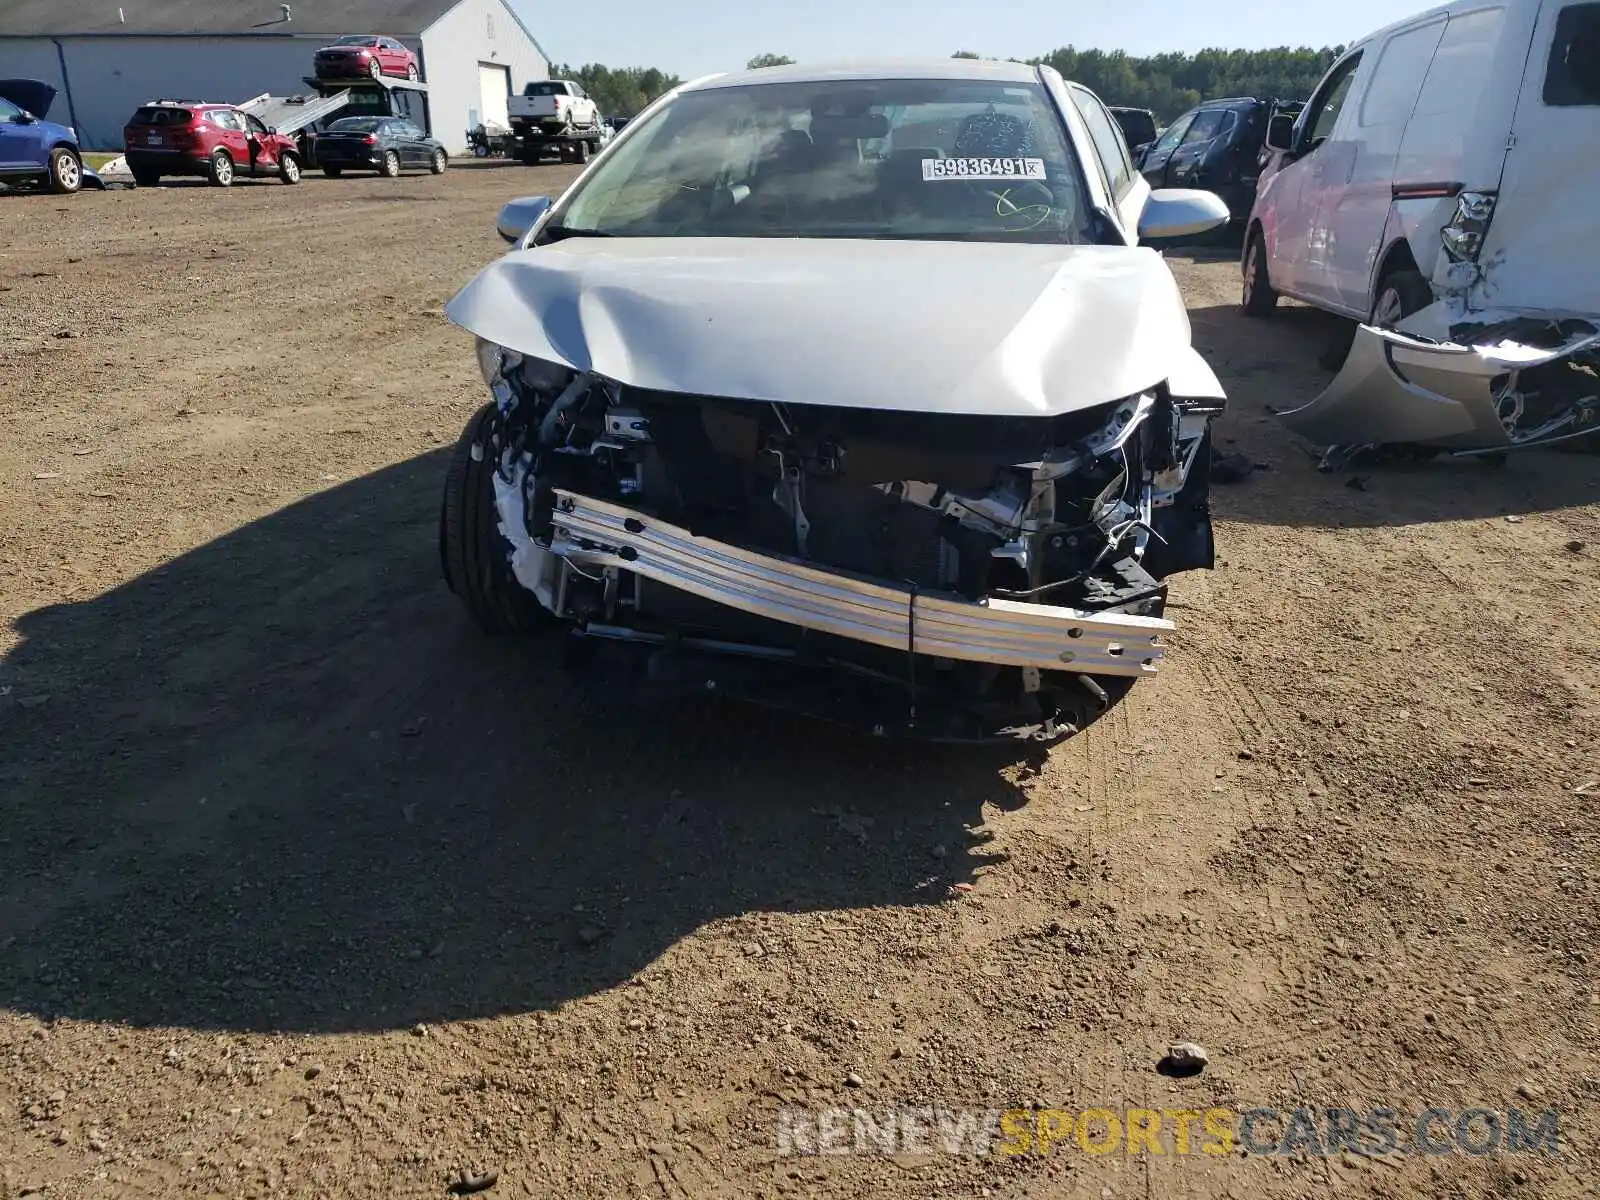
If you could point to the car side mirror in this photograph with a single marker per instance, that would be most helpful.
(1181, 212)
(1139, 152)
(1280, 132)
(24, 117)
(521, 215)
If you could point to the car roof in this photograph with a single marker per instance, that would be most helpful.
(992, 70)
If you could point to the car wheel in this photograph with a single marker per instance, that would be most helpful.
(333, 172)
(1400, 294)
(391, 165)
(146, 178)
(1259, 298)
(289, 169)
(375, 69)
(66, 171)
(219, 170)
(412, 73)
(474, 555)
(580, 152)
(439, 162)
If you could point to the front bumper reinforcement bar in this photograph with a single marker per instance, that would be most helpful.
(591, 532)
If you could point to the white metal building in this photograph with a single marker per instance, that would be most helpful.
(106, 57)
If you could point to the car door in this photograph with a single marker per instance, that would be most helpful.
(231, 136)
(1154, 165)
(1332, 149)
(1183, 167)
(19, 149)
(263, 151)
(408, 139)
(394, 56)
(1288, 207)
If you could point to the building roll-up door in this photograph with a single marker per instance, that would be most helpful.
(494, 85)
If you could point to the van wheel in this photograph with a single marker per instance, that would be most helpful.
(66, 171)
(474, 554)
(1259, 298)
(1400, 294)
(220, 169)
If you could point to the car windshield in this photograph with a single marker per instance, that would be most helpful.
(355, 125)
(934, 159)
(356, 39)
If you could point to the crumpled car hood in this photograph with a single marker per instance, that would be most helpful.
(32, 94)
(941, 327)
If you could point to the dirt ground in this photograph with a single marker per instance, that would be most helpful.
(308, 890)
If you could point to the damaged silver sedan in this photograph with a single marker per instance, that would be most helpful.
(848, 392)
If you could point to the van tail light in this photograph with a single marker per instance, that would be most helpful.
(1463, 236)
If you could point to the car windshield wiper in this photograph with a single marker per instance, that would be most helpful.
(555, 233)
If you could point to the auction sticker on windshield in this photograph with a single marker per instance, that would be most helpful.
(982, 168)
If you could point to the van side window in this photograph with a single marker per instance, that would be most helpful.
(1398, 77)
(1464, 56)
(1328, 103)
(1572, 78)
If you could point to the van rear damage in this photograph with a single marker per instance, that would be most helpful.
(1509, 354)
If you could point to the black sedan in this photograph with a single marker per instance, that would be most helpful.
(387, 145)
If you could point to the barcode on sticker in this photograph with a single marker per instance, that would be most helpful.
(982, 168)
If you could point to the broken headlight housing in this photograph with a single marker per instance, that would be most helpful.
(1463, 236)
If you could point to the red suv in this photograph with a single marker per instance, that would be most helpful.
(216, 141)
(366, 54)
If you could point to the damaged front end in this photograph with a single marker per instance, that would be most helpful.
(948, 576)
(1492, 382)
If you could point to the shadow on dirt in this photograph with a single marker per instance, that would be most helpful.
(278, 783)
(1272, 366)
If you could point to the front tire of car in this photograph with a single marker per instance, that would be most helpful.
(375, 69)
(474, 555)
(391, 165)
(289, 169)
(439, 162)
(219, 170)
(1259, 298)
(66, 171)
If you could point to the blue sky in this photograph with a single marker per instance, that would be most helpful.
(714, 35)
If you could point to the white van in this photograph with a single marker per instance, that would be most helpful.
(1442, 188)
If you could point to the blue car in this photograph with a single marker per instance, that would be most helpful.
(33, 150)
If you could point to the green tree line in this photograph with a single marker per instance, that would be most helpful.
(1167, 84)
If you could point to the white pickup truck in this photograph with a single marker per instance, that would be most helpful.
(556, 112)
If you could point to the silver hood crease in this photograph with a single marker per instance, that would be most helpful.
(978, 328)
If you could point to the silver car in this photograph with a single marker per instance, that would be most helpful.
(848, 391)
